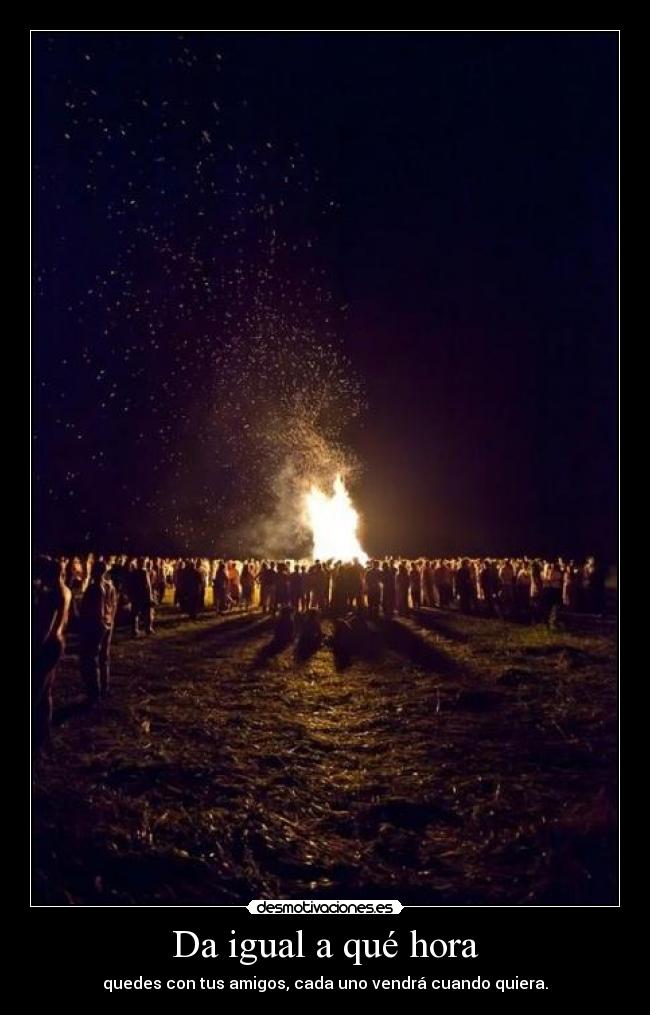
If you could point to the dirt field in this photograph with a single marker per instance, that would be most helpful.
(450, 761)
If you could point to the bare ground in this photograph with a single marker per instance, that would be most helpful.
(449, 761)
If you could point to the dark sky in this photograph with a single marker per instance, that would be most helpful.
(470, 262)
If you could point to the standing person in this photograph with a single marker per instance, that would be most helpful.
(357, 590)
(304, 601)
(282, 586)
(74, 579)
(310, 587)
(140, 596)
(388, 589)
(415, 579)
(428, 595)
(118, 573)
(473, 567)
(507, 577)
(325, 580)
(403, 584)
(571, 587)
(320, 587)
(233, 583)
(192, 590)
(373, 587)
(202, 569)
(489, 585)
(119, 577)
(151, 571)
(158, 584)
(160, 580)
(297, 591)
(220, 588)
(443, 584)
(536, 583)
(177, 581)
(96, 620)
(182, 585)
(339, 592)
(552, 596)
(265, 582)
(51, 600)
(214, 564)
(247, 585)
(523, 587)
(465, 587)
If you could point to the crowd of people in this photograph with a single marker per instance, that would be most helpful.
(507, 587)
(94, 593)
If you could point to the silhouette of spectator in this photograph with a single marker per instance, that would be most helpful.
(388, 589)
(96, 621)
(51, 600)
(138, 586)
(403, 585)
(220, 588)
(373, 587)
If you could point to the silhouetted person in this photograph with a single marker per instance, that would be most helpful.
(356, 590)
(247, 585)
(552, 592)
(282, 586)
(202, 572)
(415, 581)
(234, 589)
(220, 588)
(159, 581)
(373, 587)
(443, 584)
(507, 593)
(403, 585)
(51, 600)
(141, 598)
(304, 602)
(536, 584)
(523, 586)
(489, 582)
(96, 619)
(465, 587)
(192, 589)
(428, 595)
(117, 573)
(339, 597)
(296, 583)
(571, 586)
(388, 589)
(310, 587)
(320, 587)
(266, 579)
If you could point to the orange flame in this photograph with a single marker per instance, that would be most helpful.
(333, 521)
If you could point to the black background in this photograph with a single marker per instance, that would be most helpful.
(575, 951)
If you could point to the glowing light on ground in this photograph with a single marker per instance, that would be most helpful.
(334, 521)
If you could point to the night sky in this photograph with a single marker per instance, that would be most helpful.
(259, 256)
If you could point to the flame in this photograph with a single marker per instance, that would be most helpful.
(333, 521)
